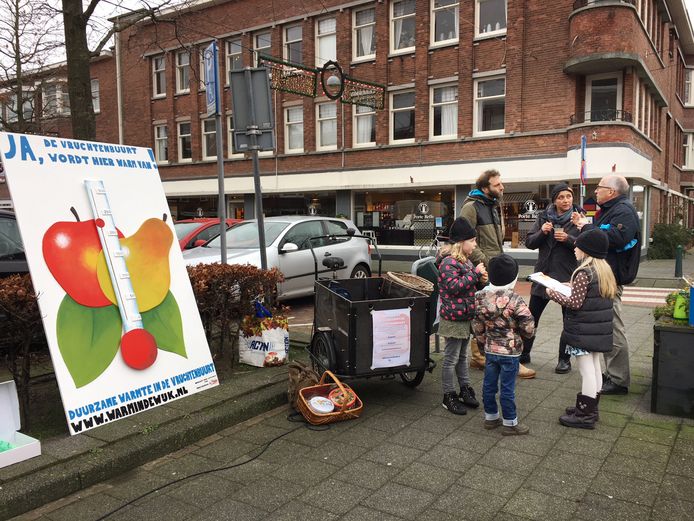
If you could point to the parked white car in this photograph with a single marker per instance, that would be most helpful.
(288, 250)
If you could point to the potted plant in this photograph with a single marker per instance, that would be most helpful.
(672, 387)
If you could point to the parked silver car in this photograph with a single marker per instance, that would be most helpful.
(288, 250)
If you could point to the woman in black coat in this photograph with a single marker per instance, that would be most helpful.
(555, 235)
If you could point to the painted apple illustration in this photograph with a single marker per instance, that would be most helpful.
(146, 255)
(71, 250)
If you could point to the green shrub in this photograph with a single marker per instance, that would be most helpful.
(666, 237)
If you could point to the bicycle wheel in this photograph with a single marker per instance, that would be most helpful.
(323, 352)
(413, 378)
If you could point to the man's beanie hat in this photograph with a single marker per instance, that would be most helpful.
(461, 230)
(594, 242)
(560, 187)
(502, 270)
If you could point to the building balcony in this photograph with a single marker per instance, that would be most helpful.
(600, 116)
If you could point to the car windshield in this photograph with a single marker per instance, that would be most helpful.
(11, 247)
(244, 236)
(183, 229)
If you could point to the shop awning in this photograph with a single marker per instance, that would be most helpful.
(517, 197)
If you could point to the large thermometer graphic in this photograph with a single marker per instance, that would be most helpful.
(138, 346)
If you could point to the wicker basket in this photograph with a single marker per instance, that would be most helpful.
(408, 280)
(323, 389)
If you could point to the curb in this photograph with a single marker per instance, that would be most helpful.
(53, 482)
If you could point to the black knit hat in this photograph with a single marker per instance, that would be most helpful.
(502, 269)
(594, 242)
(560, 187)
(461, 230)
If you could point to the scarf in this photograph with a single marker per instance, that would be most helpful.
(556, 219)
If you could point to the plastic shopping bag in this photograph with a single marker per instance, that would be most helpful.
(264, 342)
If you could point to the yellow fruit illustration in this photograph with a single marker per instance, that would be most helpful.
(147, 257)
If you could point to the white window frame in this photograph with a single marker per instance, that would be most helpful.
(287, 42)
(355, 35)
(589, 90)
(413, 108)
(433, 11)
(475, 112)
(206, 134)
(182, 73)
(231, 56)
(156, 72)
(688, 156)
(433, 105)
(48, 111)
(688, 94)
(96, 100)
(158, 139)
(230, 139)
(319, 120)
(257, 50)
(371, 112)
(493, 32)
(391, 38)
(287, 124)
(179, 138)
(201, 67)
(321, 60)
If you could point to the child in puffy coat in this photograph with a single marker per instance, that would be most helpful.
(458, 281)
(502, 320)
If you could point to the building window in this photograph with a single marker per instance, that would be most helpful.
(490, 17)
(158, 76)
(364, 126)
(96, 98)
(161, 143)
(230, 138)
(262, 44)
(294, 129)
(688, 91)
(182, 72)
(27, 103)
(327, 126)
(326, 49)
(50, 100)
(444, 21)
(402, 26)
(688, 156)
(490, 103)
(364, 32)
(604, 97)
(293, 46)
(444, 112)
(64, 108)
(402, 117)
(185, 142)
(201, 73)
(209, 139)
(234, 57)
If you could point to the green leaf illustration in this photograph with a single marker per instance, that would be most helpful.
(164, 322)
(88, 339)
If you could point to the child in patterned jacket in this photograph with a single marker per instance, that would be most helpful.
(502, 318)
(458, 281)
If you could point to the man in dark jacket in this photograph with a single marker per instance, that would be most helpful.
(619, 220)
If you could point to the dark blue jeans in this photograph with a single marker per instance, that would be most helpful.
(504, 369)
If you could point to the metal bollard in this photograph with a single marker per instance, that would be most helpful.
(678, 260)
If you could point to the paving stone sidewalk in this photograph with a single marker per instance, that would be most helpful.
(407, 458)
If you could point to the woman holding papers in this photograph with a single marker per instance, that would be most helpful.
(588, 323)
(554, 234)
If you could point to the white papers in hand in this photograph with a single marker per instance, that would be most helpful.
(551, 283)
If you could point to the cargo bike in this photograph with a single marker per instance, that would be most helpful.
(345, 311)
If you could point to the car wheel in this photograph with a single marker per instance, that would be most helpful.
(360, 272)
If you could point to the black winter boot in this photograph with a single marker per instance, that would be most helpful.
(572, 409)
(467, 396)
(584, 415)
(450, 402)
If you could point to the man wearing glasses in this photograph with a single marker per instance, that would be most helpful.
(618, 218)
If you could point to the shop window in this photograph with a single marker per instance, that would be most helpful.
(230, 139)
(262, 44)
(364, 126)
(402, 117)
(364, 34)
(604, 97)
(294, 130)
(490, 17)
(158, 76)
(209, 139)
(234, 57)
(327, 126)
(182, 72)
(326, 49)
(444, 21)
(161, 144)
(293, 46)
(443, 113)
(402, 26)
(490, 106)
(96, 99)
(185, 142)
